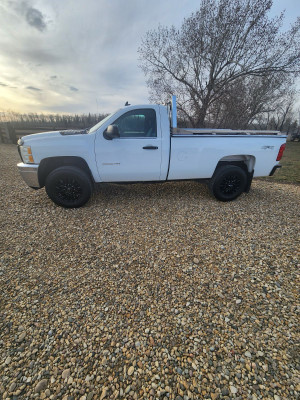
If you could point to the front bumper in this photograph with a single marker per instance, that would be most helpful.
(29, 172)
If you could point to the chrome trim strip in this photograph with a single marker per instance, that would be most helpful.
(29, 172)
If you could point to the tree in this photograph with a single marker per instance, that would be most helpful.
(280, 118)
(249, 97)
(224, 46)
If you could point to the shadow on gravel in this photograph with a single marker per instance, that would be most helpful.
(190, 190)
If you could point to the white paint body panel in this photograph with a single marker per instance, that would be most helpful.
(53, 144)
(124, 159)
(196, 157)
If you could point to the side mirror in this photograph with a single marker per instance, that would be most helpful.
(112, 132)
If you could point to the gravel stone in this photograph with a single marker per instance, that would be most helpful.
(233, 389)
(136, 295)
(22, 337)
(66, 373)
(42, 385)
(130, 370)
(12, 387)
(7, 361)
(91, 395)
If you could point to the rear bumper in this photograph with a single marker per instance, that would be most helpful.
(29, 172)
(274, 169)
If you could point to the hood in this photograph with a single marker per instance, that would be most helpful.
(49, 135)
(37, 136)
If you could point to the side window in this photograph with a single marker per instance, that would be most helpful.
(137, 123)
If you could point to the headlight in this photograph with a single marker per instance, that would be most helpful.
(26, 155)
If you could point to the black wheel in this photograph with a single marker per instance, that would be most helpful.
(228, 182)
(69, 187)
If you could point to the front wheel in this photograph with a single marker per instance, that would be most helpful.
(228, 183)
(69, 186)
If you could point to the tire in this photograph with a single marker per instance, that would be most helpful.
(228, 183)
(69, 187)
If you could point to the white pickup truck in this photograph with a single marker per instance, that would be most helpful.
(142, 143)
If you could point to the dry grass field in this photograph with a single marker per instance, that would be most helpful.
(290, 171)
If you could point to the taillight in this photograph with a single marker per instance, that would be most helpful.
(280, 153)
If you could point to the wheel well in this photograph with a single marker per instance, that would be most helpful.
(47, 165)
(240, 164)
(245, 162)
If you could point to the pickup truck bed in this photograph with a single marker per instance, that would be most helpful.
(196, 155)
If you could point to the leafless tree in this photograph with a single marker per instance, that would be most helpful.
(282, 117)
(249, 97)
(224, 48)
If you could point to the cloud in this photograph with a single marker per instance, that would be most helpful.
(7, 86)
(33, 88)
(32, 15)
(40, 54)
(36, 19)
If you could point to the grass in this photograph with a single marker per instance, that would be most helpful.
(290, 171)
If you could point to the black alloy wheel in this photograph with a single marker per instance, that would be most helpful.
(228, 182)
(68, 189)
(69, 186)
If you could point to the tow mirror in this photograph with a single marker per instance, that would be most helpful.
(112, 132)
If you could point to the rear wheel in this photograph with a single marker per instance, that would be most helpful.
(228, 183)
(69, 186)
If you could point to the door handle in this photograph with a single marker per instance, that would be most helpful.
(150, 147)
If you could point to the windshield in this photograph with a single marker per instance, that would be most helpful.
(95, 127)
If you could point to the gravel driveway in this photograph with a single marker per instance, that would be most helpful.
(148, 292)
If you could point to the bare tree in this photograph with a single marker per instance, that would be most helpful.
(223, 45)
(282, 117)
(248, 97)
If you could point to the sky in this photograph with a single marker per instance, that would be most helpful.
(80, 56)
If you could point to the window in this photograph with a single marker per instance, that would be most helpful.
(137, 124)
(95, 127)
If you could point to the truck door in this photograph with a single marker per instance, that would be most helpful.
(136, 155)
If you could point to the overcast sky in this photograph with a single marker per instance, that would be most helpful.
(81, 55)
